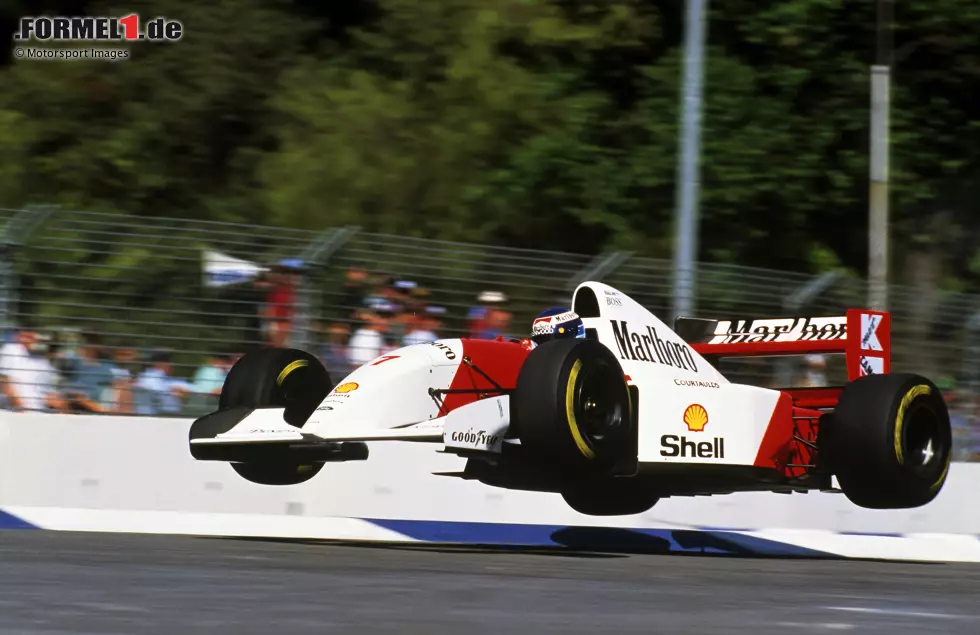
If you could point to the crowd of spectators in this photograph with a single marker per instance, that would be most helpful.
(81, 375)
(377, 314)
(371, 316)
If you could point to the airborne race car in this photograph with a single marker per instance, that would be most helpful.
(632, 413)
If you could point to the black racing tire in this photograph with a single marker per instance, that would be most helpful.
(889, 441)
(611, 497)
(273, 377)
(277, 473)
(572, 406)
(284, 377)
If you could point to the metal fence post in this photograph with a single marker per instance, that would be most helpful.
(15, 232)
(314, 257)
(599, 267)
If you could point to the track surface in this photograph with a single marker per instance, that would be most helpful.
(55, 583)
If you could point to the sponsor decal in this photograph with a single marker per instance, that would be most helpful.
(478, 437)
(696, 383)
(650, 347)
(675, 446)
(384, 358)
(696, 417)
(265, 431)
(546, 325)
(450, 354)
(350, 386)
(612, 301)
(325, 408)
(871, 366)
(779, 330)
(869, 332)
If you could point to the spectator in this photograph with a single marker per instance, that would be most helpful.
(964, 438)
(487, 319)
(383, 298)
(424, 327)
(119, 398)
(157, 392)
(30, 380)
(252, 297)
(368, 342)
(405, 307)
(354, 293)
(280, 306)
(335, 352)
(91, 378)
(815, 371)
(210, 378)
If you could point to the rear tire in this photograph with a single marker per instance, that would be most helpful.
(888, 441)
(572, 406)
(273, 377)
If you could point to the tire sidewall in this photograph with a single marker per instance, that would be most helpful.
(551, 427)
(870, 449)
(285, 377)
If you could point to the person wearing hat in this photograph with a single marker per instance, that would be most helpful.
(488, 319)
(280, 305)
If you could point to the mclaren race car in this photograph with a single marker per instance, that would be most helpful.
(633, 412)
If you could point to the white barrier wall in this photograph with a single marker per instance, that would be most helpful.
(136, 474)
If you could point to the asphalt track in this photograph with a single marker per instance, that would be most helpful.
(54, 583)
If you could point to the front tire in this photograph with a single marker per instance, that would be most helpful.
(277, 472)
(273, 377)
(285, 377)
(572, 406)
(889, 441)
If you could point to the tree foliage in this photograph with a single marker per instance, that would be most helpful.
(550, 123)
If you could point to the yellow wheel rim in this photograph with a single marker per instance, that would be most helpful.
(580, 442)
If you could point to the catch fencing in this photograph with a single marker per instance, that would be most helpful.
(153, 291)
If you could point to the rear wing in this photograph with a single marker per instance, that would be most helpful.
(863, 336)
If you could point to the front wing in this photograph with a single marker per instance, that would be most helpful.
(476, 427)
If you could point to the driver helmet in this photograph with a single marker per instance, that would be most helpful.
(554, 323)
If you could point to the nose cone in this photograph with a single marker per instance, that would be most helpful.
(390, 391)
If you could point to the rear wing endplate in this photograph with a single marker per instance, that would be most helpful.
(863, 336)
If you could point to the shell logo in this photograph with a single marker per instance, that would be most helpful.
(696, 417)
(350, 386)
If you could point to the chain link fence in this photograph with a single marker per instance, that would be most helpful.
(145, 315)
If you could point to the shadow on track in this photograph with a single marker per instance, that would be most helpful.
(589, 542)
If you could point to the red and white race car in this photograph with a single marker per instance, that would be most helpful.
(632, 413)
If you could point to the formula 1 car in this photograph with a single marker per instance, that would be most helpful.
(613, 422)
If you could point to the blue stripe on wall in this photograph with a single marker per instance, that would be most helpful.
(9, 521)
(593, 538)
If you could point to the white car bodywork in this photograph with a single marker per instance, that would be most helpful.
(689, 412)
